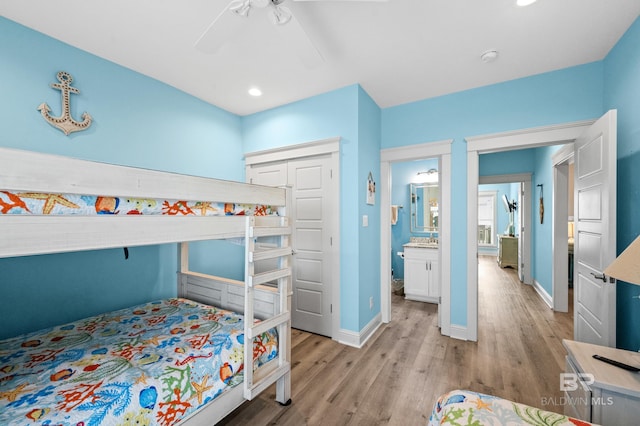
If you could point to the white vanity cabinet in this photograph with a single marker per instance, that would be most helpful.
(421, 273)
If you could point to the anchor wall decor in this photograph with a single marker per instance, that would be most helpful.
(65, 122)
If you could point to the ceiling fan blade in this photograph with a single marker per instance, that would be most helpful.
(225, 27)
(375, 1)
(294, 37)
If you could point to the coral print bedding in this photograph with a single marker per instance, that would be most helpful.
(74, 204)
(153, 364)
(463, 407)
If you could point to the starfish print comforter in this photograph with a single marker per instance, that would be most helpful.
(154, 363)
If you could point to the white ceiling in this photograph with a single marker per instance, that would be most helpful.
(399, 51)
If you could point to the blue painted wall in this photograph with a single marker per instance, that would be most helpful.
(542, 232)
(137, 121)
(369, 236)
(562, 96)
(622, 92)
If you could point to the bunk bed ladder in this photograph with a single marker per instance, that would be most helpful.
(263, 227)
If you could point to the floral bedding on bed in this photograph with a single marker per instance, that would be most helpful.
(37, 203)
(463, 407)
(153, 364)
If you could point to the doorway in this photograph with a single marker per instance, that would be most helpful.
(441, 150)
(523, 205)
(528, 138)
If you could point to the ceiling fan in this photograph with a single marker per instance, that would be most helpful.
(233, 18)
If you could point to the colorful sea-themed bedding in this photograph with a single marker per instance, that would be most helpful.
(36, 203)
(154, 363)
(463, 407)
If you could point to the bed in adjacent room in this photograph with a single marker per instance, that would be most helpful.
(178, 360)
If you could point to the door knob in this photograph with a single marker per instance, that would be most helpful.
(600, 277)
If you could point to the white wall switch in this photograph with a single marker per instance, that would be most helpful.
(365, 220)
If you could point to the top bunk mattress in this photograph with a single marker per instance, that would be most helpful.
(156, 362)
(55, 204)
(40, 203)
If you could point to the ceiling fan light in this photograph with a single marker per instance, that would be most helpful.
(281, 15)
(523, 3)
(241, 7)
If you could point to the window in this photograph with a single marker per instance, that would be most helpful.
(487, 218)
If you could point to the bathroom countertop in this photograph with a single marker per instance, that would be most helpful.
(422, 242)
(422, 245)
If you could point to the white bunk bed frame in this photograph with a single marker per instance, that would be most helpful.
(24, 235)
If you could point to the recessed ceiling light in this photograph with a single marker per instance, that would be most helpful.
(489, 56)
(525, 2)
(254, 91)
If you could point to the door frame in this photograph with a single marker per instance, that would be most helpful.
(437, 149)
(526, 223)
(506, 141)
(329, 146)
(560, 218)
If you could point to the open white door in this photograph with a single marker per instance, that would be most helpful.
(595, 233)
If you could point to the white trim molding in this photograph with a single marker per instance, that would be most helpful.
(458, 332)
(544, 295)
(358, 339)
(528, 138)
(437, 149)
(289, 152)
(560, 161)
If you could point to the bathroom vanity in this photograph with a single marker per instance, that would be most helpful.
(422, 271)
(422, 254)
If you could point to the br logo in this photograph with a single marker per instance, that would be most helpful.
(569, 381)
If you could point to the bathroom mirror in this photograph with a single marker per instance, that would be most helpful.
(424, 207)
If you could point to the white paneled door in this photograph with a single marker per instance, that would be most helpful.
(595, 234)
(311, 216)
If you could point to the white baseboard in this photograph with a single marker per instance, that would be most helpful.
(458, 332)
(546, 297)
(358, 339)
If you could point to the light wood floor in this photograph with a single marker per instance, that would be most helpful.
(396, 377)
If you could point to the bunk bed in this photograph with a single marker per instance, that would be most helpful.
(54, 204)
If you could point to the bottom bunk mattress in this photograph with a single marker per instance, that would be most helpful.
(463, 407)
(154, 363)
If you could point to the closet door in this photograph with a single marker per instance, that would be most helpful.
(312, 243)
